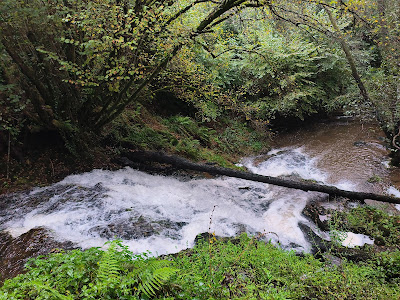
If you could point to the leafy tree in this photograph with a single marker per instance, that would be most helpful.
(74, 66)
(82, 62)
(272, 73)
(385, 80)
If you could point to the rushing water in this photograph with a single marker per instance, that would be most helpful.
(161, 214)
(164, 214)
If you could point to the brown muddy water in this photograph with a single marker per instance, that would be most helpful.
(347, 150)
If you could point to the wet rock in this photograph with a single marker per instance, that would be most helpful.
(354, 254)
(360, 143)
(169, 228)
(124, 229)
(240, 228)
(136, 228)
(332, 259)
(205, 236)
(18, 204)
(14, 252)
(8, 202)
(313, 210)
(318, 244)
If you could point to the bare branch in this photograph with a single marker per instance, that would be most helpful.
(184, 10)
(394, 140)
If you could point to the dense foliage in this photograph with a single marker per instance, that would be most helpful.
(75, 66)
(91, 274)
(80, 63)
(243, 268)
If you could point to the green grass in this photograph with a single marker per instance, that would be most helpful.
(241, 268)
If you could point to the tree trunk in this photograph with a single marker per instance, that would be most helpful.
(181, 163)
(349, 56)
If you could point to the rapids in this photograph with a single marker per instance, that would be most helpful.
(160, 214)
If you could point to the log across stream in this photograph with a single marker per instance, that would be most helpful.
(181, 163)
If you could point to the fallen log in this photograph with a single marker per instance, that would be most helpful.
(181, 163)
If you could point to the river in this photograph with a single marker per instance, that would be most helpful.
(164, 214)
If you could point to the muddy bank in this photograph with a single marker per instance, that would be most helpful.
(14, 252)
(47, 165)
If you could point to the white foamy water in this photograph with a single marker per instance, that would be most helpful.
(164, 214)
(353, 239)
(347, 239)
(386, 164)
(131, 195)
(287, 161)
(293, 162)
(395, 192)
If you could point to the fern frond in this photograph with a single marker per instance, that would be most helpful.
(151, 276)
(157, 264)
(108, 265)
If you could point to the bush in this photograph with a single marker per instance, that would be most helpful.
(91, 274)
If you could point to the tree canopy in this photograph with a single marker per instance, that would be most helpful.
(75, 65)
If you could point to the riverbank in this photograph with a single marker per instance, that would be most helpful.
(45, 161)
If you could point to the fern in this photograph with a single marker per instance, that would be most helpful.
(146, 276)
(108, 265)
(150, 275)
(112, 274)
(108, 273)
(158, 278)
(38, 290)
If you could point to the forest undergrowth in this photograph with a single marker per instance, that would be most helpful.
(239, 268)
